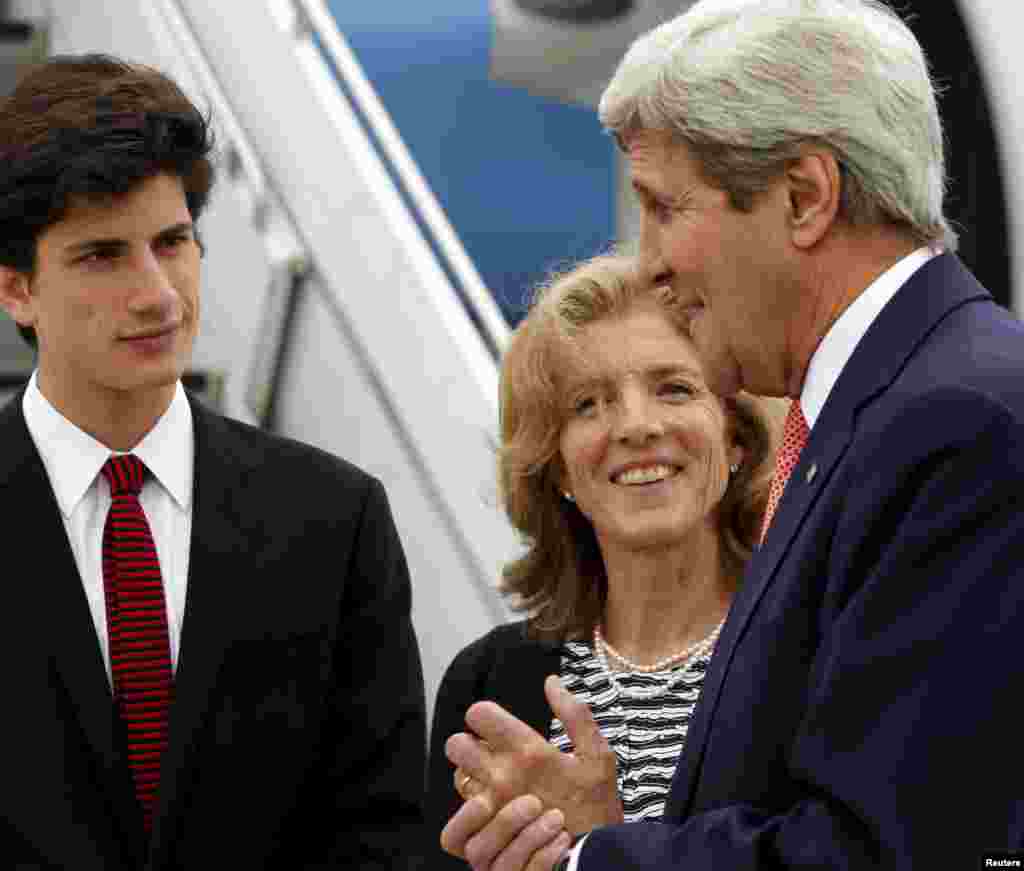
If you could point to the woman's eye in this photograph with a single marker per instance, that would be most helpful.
(678, 388)
(585, 405)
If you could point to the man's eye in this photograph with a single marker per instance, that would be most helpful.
(174, 241)
(98, 256)
(658, 209)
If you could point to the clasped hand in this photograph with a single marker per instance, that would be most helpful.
(525, 796)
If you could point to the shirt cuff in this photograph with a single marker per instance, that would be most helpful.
(574, 853)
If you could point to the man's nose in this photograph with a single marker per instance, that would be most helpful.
(653, 267)
(154, 290)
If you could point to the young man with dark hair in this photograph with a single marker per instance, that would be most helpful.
(209, 656)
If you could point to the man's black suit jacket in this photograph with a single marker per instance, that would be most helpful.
(297, 735)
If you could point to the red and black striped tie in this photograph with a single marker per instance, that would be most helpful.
(140, 652)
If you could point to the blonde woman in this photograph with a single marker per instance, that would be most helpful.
(639, 495)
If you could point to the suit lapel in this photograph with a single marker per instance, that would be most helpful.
(935, 290)
(53, 603)
(823, 454)
(220, 565)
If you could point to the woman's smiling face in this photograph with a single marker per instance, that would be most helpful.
(645, 447)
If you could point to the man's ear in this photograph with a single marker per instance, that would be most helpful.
(815, 187)
(16, 296)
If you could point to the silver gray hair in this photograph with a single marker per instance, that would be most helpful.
(746, 84)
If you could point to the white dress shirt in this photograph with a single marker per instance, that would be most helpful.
(833, 353)
(73, 460)
(835, 350)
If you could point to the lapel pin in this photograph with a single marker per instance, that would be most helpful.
(811, 472)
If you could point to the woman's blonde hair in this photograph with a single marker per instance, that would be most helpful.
(560, 580)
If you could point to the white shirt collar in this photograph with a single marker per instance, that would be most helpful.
(834, 351)
(73, 458)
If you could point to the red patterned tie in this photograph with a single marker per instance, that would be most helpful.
(794, 437)
(140, 652)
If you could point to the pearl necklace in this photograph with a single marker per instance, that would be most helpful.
(600, 643)
(647, 693)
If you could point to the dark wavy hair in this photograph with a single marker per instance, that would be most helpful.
(90, 127)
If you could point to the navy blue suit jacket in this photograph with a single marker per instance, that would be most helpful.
(861, 710)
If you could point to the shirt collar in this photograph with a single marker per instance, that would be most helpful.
(834, 351)
(73, 458)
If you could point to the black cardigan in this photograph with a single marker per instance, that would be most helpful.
(504, 666)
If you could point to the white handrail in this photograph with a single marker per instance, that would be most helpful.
(287, 238)
(322, 23)
(280, 236)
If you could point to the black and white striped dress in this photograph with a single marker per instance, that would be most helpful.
(646, 733)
